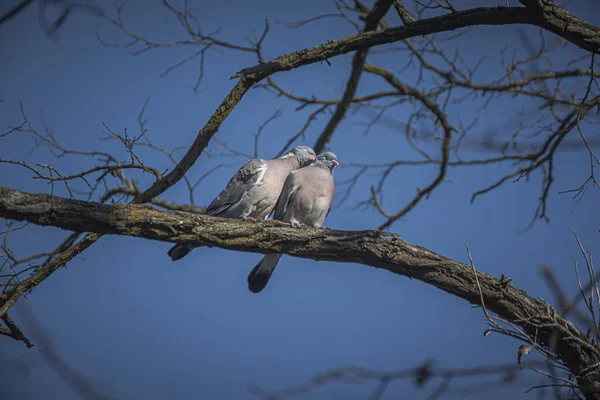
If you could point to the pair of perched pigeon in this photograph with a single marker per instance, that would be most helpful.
(299, 186)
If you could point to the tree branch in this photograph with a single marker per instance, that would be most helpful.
(13, 12)
(13, 331)
(204, 136)
(358, 61)
(557, 20)
(372, 248)
(588, 37)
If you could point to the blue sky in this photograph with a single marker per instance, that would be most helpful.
(139, 326)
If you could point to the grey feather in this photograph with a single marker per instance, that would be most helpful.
(238, 187)
(306, 199)
(253, 190)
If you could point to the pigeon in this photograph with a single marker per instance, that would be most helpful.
(253, 190)
(305, 200)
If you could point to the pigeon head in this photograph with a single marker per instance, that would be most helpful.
(304, 154)
(326, 160)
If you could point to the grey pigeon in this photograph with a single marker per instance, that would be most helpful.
(253, 190)
(306, 199)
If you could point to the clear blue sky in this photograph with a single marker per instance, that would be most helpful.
(139, 326)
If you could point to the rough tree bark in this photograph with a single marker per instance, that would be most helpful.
(548, 16)
(372, 248)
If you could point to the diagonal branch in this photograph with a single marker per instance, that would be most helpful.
(12, 330)
(371, 248)
(372, 21)
(13, 12)
(200, 143)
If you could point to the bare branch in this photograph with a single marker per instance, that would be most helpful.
(372, 21)
(587, 38)
(421, 375)
(16, 10)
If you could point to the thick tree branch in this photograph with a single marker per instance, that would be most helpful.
(587, 37)
(373, 248)
(557, 20)
(169, 205)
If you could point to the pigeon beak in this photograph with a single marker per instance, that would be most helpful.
(335, 162)
(312, 157)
